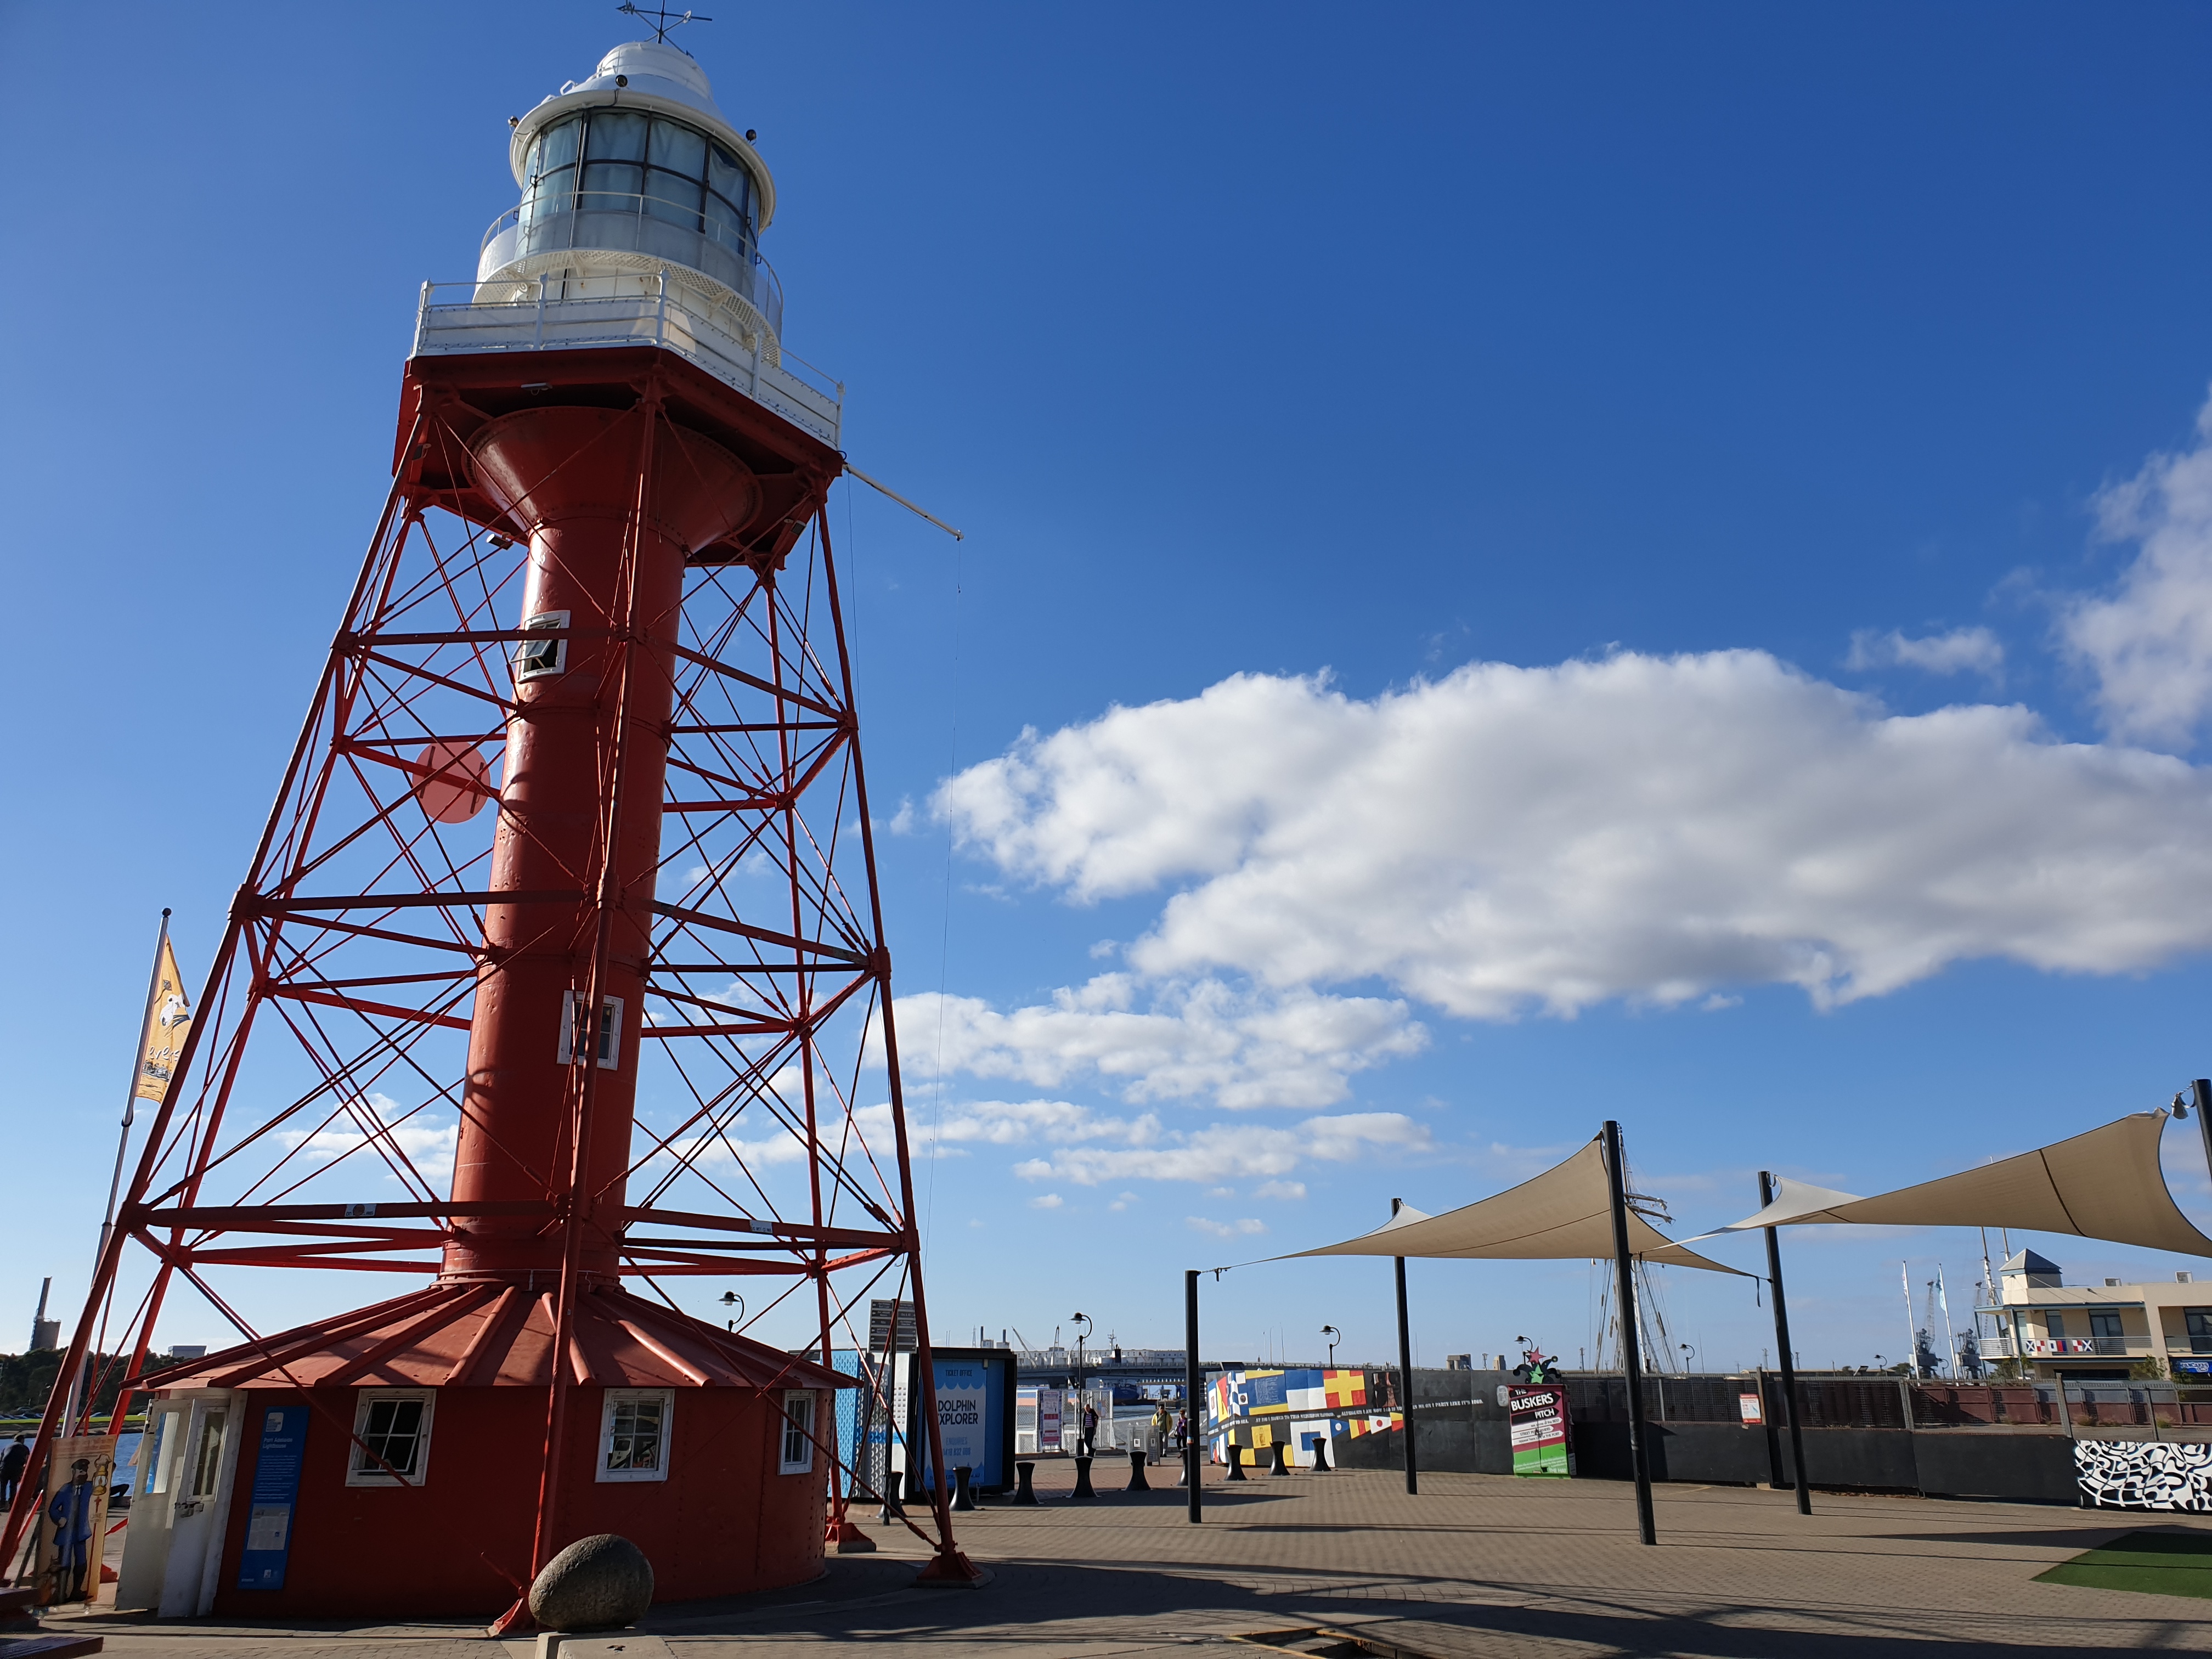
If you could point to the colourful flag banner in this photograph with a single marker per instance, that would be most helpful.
(169, 1018)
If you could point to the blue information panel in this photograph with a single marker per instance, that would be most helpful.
(975, 1417)
(276, 1491)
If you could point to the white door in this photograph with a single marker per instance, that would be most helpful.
(146, 1539)
(202, 1505)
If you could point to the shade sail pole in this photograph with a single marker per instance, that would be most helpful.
(1405, 1367)
(1192, 1421)
(2200, 1093)
(1788, 1363)
(1632, 1339)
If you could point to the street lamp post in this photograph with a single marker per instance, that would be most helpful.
(1082, 1322)
(731, 1299)
(1334, 1337)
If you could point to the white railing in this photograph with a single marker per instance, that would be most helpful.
(453, 320)
(639, 224)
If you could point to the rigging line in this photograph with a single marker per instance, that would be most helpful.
(944, 934)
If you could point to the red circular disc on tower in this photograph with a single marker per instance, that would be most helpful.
(451, 785)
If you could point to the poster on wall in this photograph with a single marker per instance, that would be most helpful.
(72, 1524)
(975, 1417)
(275, 1492)
(1538, 1413)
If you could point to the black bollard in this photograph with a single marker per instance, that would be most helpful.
(1321, 1465)
(1137, 1481)
(964, 1498)
(893, 1509)
(1236, 1462)
(1281, 1463)
(1083, 1488)
(1023, 1493)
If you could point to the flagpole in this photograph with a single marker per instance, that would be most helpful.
(130, 1116)
(130, 1095)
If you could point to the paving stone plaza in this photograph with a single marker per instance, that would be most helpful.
(1475, 1565)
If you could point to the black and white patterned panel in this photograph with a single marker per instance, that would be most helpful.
(2144, 1474)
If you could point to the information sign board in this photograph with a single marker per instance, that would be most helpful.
(1538, 1414)
(275, 1492)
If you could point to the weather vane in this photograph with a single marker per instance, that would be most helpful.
(659, 17)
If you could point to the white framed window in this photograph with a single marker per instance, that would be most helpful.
(611, 1024)
(535, 659)
(798, 1432)
(634, 1429)
(392, 1435)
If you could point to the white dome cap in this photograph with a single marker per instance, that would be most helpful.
(655, 67)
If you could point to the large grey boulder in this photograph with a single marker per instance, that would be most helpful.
(601, 1583)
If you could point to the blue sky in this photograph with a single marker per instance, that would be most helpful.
(1606, 441)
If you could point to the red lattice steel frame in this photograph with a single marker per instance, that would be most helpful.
(330, 1044)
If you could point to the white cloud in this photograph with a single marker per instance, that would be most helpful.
(1047, 1201)
(2150, 641)
(426, 1143)
(1249, 1224)
(1192, 1038)
(1282, 1189)
(1962, 650)
(1225, 1151)
(1645, 828)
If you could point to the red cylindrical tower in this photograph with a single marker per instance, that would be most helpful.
(601, 602)
(613, 508)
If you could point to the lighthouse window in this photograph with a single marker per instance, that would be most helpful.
(614, 143)
(631, 162)
(730, 206)
(633, 1434)
(552, 170)
(671, 182)
(391, 1437)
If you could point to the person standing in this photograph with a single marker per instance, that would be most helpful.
(11, 1469)
(1090, 1429)
(1181, 1431)
(1162, 1426)
(71, 1513)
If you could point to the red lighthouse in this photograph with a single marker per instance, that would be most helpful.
(557, 983)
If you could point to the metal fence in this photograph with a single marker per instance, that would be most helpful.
(1899, 1402)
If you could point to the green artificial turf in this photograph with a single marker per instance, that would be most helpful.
(2163, 1562)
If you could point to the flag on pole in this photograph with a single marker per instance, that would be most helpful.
(168, 1018)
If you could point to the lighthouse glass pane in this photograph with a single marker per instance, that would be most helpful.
(730, 208)
(553, 170)
(614, 142)
(671, 184)
(618, 135)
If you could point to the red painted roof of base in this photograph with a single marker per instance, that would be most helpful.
(479, 1335)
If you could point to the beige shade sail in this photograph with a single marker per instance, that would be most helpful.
(1563, 1215)
(2105, 1185)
